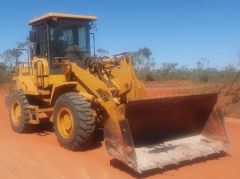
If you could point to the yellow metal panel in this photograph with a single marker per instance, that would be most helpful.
(55, 79)
(27, 84)
(125, 77)
(61, 86)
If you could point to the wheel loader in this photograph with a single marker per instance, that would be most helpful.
(81, 93)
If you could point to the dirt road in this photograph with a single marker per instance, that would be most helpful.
(38, 155)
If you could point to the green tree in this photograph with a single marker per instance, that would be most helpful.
(142, 59)
(3, 73)
(23, 44)
(168, 71)
(203, 63)
(169, 67)
(102, 52)
(10, 57)
(143, 63)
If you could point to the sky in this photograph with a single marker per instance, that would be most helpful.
(175, 31)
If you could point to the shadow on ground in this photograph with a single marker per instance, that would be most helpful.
(46, 128)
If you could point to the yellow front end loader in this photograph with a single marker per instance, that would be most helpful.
(81, 93)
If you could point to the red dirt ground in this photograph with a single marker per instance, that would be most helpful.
(38, 155)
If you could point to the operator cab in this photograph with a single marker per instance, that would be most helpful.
(56, 35)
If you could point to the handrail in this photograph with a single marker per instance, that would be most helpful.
(42, 66)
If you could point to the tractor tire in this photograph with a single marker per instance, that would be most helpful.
(74, 121)
(19, 113)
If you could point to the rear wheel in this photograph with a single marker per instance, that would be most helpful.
(74, 121)
(19, 113)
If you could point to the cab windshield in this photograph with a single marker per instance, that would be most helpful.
(68, 38)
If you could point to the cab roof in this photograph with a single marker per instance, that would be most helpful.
(49, 16)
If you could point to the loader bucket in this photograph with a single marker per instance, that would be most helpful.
(159, 132)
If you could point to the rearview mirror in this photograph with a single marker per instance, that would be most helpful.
(33, 36)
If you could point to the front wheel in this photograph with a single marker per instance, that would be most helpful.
(74, 121)
(19, 113)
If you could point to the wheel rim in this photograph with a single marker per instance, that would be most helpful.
(16, 112)
(65, 122)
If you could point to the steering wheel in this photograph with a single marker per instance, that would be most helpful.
(73, 51)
